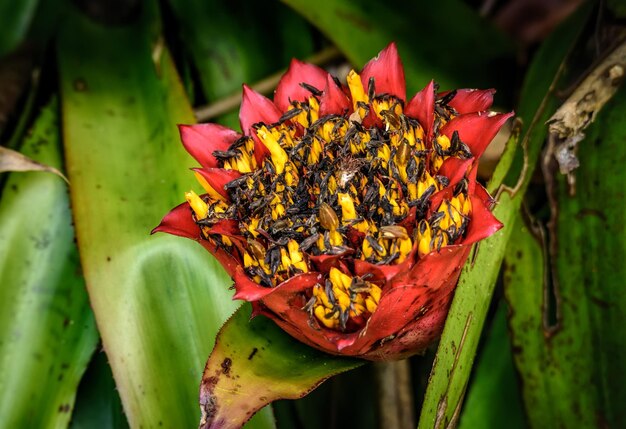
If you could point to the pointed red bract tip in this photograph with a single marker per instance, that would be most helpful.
(472, 100)
(480, 192)
(226, 259)
(201, 140)
(387, 71)
(324, 263)
(290, 89)
(256, 108)
(248, 290)
(179, 222)
(333, 100)
(483, 223)
(422, 108)
(275, 298)
(455, 169)
(477, 129)
(218, 178)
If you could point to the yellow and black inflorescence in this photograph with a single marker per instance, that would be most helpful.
(358, 184)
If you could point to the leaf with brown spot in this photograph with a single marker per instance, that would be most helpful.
(567, 315)
(47, 329)
(254, 363)
(451, 371)
(155, 313)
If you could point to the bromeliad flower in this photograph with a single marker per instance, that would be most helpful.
(345, 213)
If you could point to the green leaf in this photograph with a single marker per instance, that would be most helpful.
(47, 330)
(231, 44)
(225, 58)
(15, 19)
(571, 350)
(455, 355)
(254, 363)
(98, 404)
(557, 376)
(22, 68)
(493, 398)
(444, 40)
(158, 300)
(523, 280)
(591, 257)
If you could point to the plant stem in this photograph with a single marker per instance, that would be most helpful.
(395, 395)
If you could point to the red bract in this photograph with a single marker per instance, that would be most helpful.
(345, 213)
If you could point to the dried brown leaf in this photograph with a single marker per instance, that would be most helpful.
(11, 160)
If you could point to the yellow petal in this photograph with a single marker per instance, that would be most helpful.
(277, 153)
(321, 312)
(198, 206)
(208, 188)
(356, 89)
(348, 211)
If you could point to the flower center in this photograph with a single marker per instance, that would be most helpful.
(356, 184)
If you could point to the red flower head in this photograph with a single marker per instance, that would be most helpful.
(345, 213)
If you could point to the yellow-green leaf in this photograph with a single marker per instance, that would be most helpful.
(254, 363)
(158, 300)
(47, 330)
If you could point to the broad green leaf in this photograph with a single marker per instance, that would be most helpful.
(571, 351)
(557, 375)
(254, 363)
(461, 334)
(493, 398)
(98, 404)
(444, 40)
(158, 300)
(15, 19)
(591, 256)
(47, 330)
